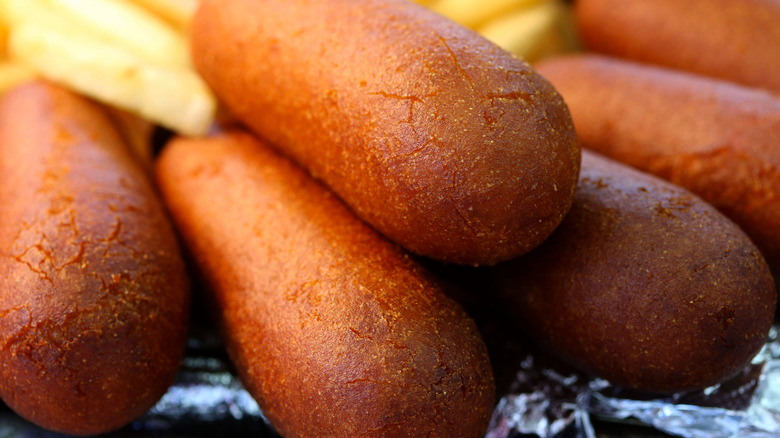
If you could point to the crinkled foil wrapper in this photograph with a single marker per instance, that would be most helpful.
(539, 400)
(547, 403)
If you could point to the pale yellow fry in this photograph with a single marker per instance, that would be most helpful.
(175, 98)
(127, 25)
(13, 74)
(3, 41)
(472, 13)
(40, 13)
(13, 12)
(179, 13)
(169, 51)
(530, 33)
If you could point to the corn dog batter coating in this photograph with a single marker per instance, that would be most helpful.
(442, 141)
(93, 294)
(734, 40)
(643, 284)
(334, 330)
(715, 138)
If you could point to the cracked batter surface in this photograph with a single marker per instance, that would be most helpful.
(93, 295)
(442, 141)
(334, 330)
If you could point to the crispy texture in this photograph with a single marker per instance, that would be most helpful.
(93, 293)
(443, 142)
(643, 284)
(333, 329)
(717, 139)
(736, 40)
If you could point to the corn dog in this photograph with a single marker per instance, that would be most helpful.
(332, 329)
(93, 294)
(643, 284)
(735, 40)
(716, 138)
(439, 139)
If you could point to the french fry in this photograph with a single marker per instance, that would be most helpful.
(472, 13)
(176, 12)
(531, 33)
(174, 98)
(3, 38)
(14, 73)
(14, 12)
(128, 25)
(117, 22)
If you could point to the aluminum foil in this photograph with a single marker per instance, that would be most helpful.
(544, 399)
(541, 398)
(207, 399)
(547, 403)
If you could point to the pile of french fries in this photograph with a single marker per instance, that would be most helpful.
(130, 54)
(133, 54)
(532, 29)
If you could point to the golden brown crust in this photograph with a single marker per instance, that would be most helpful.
(715, 138)
(736, 40)
(93, 293)
(644, 284)
(442, 141)
(332, 328)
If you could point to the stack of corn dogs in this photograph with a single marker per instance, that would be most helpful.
(621, 202)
